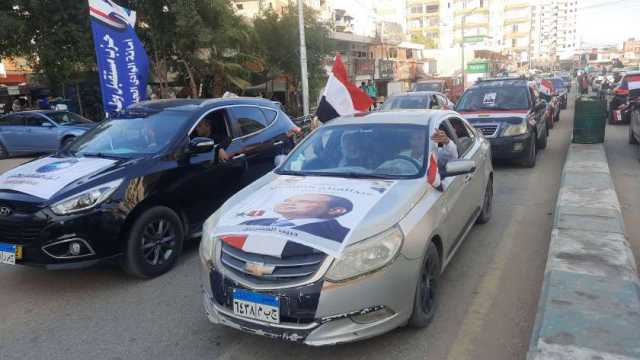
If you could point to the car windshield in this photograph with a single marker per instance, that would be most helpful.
(376, 151)
(68, 118)
(494, 98)
(130, 137)
(406, 102)
(430, 86)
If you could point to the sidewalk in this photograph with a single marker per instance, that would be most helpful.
(589, 307)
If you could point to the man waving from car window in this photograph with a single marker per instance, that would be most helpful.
(447, 149)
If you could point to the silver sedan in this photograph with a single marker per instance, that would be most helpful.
(346, 239)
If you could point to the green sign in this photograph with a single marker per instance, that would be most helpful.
(477, 68)
(473, 39)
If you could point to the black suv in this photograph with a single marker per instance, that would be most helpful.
(135, 187)
(508, 113)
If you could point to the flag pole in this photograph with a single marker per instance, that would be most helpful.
(303, 59)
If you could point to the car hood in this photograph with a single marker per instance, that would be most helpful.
(52, 177)
(321, 213)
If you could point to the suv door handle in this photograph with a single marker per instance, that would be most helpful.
(467, 179)
(238, 157)
(278, 143)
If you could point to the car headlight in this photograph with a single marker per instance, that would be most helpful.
(207, 242)
(367, 255)
(86, 199)
(513, 130)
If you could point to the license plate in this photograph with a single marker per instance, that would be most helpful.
(256, 306)
(8, 254)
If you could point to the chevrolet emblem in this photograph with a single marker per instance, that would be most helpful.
(258, 269)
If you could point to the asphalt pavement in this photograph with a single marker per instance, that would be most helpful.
(489, 296)
(624, 162)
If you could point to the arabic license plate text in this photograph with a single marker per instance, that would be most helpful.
(7, 254)
(256, 306)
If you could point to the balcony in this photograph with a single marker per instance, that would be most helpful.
(516, 35)
(516, 6)
(476, 10)
(519, 20)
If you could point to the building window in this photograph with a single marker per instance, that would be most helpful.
(416, 9)
(514, 43)
(393, 53)
(240, 6)
(409, 53)
(432, 8)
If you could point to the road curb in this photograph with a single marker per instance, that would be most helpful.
(589, 306)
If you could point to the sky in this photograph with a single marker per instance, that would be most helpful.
(603, 22)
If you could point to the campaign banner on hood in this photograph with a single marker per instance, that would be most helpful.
(319, 212)
(122, 61)
(45, 177)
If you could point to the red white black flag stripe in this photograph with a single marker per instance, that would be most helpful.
(341, 97)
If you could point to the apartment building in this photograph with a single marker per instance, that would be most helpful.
(555, 30)
(249, 9)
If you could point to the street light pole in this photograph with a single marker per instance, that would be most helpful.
(303, 59)
(462, 47)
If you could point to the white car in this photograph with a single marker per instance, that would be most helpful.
(347, 238)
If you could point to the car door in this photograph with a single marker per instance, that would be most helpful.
(460, 191)
(41, 134)
(254, 144)
(12, 132)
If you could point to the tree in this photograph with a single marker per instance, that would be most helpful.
(53, 35)
(278, 41)
(421, 39)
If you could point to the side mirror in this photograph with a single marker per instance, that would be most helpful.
(279, 160)
(201, 145)
(459, 167)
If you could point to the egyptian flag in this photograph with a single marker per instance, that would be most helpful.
(433, 174)
(546, 87)
(267, 245)
(341, 97)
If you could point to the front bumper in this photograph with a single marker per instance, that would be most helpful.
(45, 237)
(322, 313)
(510, 147)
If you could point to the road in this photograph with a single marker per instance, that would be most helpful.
(625, 170)
(488, 300)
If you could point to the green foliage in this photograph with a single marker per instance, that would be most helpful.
(54, 35)
(421, 39)
(278, 41)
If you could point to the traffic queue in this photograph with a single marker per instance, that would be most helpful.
(307, 242)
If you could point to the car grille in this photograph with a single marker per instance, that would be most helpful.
(19, 232)
(22, 207)
(488, 130)
(286, 269)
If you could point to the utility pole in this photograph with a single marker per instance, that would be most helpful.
(462, 47)
(303, 59)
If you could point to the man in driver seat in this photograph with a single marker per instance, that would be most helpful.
(203, 129)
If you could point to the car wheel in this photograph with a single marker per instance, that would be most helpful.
(154, 243)
(632, 138)
(487, 205)
(68, 141)
(530, 159)
(3, 152)
(425, 303)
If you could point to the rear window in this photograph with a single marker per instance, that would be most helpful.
(494, 98)
(406, 102)
(429, 87)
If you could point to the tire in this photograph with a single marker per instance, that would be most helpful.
(3, 152)
(542, 144)
(632, 139)
(67, 141)
(154, 243)
(530, 160)
(487, 204)
(425, 303)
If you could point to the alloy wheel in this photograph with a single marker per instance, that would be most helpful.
(158, 241)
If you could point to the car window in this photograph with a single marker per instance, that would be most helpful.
(248, 120)
(35, 120)
(435, 104)
(214, 125)
(12, 120)
(465, 137)
(68, 118)
(371, 150)
(270, 116)
(433, 86)
(406, 102)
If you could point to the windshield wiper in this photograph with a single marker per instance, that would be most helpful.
(102, 155)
